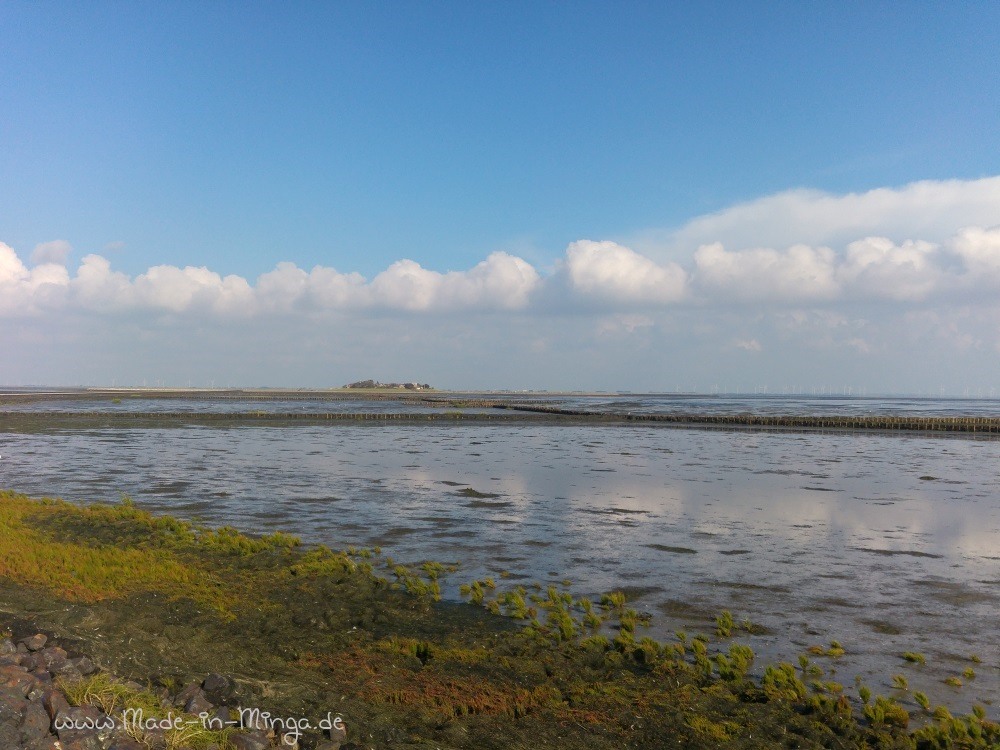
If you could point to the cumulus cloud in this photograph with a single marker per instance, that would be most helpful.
(25, 291)
(56, 252)
(931, 210)
(877, 267)
(979, 250)
(98, 288)
(800, 273)
(600, 275)
(500, 282)
(610, 272)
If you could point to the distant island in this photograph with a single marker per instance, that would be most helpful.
(377, 384)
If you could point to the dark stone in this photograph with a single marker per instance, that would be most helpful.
(44, 678)
(219, 688)
(12, 706)
(126, 743)
(35, 642)
(249, 741)
(198, 704)
(10, 660)
(52, 656)
(35, 723)
(42, 743)
(219, 718)
(17, 679)
(337, 734)
(156, 739)
(68, 672)
(186, 694)
(82, 743)
(328, 745)
(81, 723)
(54, 703)
(9, 735)
(84, 665)
(7, 646)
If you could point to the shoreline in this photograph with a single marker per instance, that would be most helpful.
(307, 627)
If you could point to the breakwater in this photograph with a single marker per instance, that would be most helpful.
(866, 422)
(505, 412)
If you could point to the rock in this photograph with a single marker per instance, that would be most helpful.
(219, 718)
(12, 706)
(9, 736)
(35, 723)
(52, 657)
(249, 741)
(80, 724)
(35, 642)
(126, 744)
(82, 743)
(7, 646)
(337, 733)
(219, 688)
(68, 672)
(198, 704)
(42, 676)
(54, 703)
(43, 743)
(186, 694)
(84, 665)
(156, 739)
(17, 679)
(328, 745)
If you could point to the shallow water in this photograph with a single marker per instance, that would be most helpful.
(887, 543)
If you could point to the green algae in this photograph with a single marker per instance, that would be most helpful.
(306, 631)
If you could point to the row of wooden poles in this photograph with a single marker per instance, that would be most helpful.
(860, 422)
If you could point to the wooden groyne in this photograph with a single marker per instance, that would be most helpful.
(498, 412)
(844, 422)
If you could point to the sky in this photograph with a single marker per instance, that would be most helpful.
(797, 197)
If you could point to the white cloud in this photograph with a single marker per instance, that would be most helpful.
(610, 272)
(877, 267)
(929, 210)
(56, 252)
(979, 250)
(792, 289)
(799, 273)
(501, 281)
(193, 289)
(96, 287)
(26, 292)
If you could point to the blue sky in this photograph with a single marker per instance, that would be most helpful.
(353, 136)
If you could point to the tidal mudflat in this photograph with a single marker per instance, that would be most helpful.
(887, 543)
